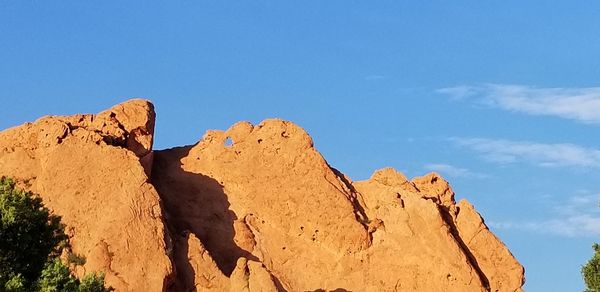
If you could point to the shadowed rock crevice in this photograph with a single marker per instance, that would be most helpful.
(196, 204)
(448, 218)
(183, 273)
(354, 197)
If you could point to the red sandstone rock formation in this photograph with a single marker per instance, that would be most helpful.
(88, 169)
(262, 213)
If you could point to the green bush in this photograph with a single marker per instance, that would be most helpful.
(56, 277)
(29, 234)
(31, 240)
(92, 283)
(591, 271)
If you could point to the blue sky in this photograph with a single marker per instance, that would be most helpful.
(500, 97)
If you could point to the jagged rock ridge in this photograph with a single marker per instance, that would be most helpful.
(262, 213)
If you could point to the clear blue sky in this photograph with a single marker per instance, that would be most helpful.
(498, 96)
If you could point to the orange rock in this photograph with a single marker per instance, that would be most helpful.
(502, 270)
(253, 208)
(273, 180)
(83, 170)
(264, 194)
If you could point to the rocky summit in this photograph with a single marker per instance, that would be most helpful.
(252, 208)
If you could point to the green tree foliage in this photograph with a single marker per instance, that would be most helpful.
(56, 278)
(28, 234)
(31, 240)
(591, 271)
(92, 283)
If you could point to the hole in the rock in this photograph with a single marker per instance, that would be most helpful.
(228, 142)
(434, 179)
(259, 141)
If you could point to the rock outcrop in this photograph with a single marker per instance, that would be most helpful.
(253, 208)
(265, 194)
(89, 170)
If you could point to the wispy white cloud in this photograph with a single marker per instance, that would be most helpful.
(577, 217)
(546, 155)
(573, 226)
(580, 104)
(375, 77)
(583, 201)
(452, 171)
(461, 92)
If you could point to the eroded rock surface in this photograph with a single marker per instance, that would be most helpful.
(264, 194)
(87, 169)
(253, 208)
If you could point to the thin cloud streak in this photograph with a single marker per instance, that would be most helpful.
(375, 77)
(545, 155)
(574, 226)
(578, 217)
(580, 104)
(452, 171)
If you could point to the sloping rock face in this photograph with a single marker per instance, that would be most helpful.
(428, 210)
(253, 208)
(89, 169)
(264, 195)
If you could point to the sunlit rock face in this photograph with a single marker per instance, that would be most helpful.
(252, 208)
(92, 171)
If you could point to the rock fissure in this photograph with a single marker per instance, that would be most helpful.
(358, 210)
(447, 217)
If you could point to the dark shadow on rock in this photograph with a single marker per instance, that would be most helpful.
(195, 203)
(278, 284)
(359, 210)
(184, 273)
(472, 260)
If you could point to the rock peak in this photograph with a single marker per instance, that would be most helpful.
(137, 118)
(432, 185)
(389, 176)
